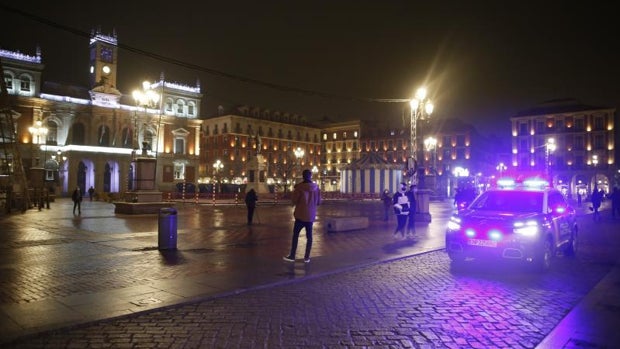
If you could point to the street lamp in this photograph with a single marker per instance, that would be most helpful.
(37, 130)
(594, 160)
(501, 168)
(421, 108)
(217, 166)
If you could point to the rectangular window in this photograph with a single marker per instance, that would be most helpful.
(540, 126)
(179, 146)
(579, 124)
(599, 142)
(598, 123)
(179, 171)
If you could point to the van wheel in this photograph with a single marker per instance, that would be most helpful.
(573, 244)
(542, 263)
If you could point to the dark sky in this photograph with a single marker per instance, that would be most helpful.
(481, 61)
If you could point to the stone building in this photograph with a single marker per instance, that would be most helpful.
(89, 135)
(572, 143)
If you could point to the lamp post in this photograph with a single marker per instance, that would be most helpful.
(146, 97)
(501, 168)
(421, 108)
(299, 153)
(61, 159)
(143, 177)
(217, 166)
(594, 160)
(37, 130)
(430, 144)
(549, 148)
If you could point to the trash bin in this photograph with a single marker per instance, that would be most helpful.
(167, 238)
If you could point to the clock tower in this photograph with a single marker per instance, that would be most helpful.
(103, 60)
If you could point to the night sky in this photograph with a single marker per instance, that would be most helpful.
(481, 61)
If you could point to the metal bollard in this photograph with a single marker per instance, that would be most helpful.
(167, 234)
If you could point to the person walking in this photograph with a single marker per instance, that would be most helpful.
(400, 202)
(306, 197)
(91, 192)
(250, 203)
(387, 204)
(77, 200)
(411, 194)
(596, 199)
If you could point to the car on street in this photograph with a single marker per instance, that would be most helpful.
(525, 221)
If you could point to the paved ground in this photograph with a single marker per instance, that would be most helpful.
(60, 271)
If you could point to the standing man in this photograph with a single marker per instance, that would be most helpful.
(412, 210)
(77, 200)
(91, 192)
(250, 203)
(597, 200)
(306, 197)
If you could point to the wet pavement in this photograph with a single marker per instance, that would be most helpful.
(63, 272)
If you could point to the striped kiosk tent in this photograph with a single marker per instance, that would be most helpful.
(370, 174)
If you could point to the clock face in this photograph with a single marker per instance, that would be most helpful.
(106, 54)
(106, 69)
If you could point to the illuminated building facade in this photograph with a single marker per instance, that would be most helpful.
(457, 151)
(286, 141)
(340, 144)
(94, 132)
(584, 151)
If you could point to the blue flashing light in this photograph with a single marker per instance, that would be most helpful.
(535, 183)
(506, 183)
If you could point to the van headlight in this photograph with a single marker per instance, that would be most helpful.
(529, 228)
(454, 223)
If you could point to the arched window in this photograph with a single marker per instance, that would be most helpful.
(168, 106)
(191, 109)
(52, 133)
(8, 79)
(103, 136)
(25, 84)
(79, 136)
(127, 138)
(180, 107)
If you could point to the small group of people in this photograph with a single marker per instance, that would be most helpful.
(597, 197)
(405, 206)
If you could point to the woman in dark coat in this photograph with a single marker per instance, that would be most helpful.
(250, 203)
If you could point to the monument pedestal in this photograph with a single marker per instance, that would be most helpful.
(422, 200)
(144, 199)
(256, 175)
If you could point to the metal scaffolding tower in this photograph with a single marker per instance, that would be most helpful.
(13, 182)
